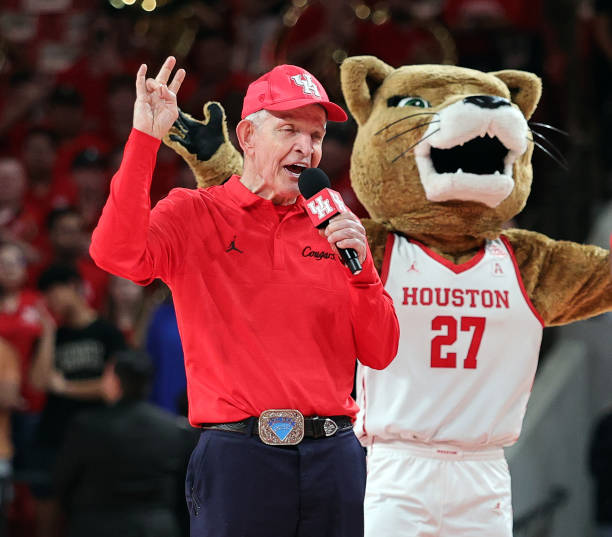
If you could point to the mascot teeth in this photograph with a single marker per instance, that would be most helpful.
(480, 144)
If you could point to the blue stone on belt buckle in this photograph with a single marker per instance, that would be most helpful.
(281, 427)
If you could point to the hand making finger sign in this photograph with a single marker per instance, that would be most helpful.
(155, 109)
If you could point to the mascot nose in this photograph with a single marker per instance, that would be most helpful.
(487, 101)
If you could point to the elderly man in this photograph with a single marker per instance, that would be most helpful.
(270, 336)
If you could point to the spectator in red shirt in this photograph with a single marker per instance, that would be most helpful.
(106, 53)
(66, 112)
(23, 98)
(263, 325)
(68, 245)
(22, 326)
(20, 321)
(66, 120)
(46, 189)
(90, 177)
(18, 223)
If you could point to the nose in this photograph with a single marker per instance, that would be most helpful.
(304, 144)
(487, 101)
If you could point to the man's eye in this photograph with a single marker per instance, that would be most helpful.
(400, 102)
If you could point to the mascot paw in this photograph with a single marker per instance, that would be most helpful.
(205, 145)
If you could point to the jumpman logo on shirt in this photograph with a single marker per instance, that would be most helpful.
(232, 246)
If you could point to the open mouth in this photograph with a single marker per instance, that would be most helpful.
(470, 154)
(481, 156)
(479, 169)
(295, 169)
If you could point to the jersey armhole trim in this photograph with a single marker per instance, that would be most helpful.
(520, 280)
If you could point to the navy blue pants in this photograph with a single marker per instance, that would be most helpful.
(237, 486)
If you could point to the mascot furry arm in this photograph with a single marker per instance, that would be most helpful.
(443, 156)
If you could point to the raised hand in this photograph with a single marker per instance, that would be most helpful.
(155, 109)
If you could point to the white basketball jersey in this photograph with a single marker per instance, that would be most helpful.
(468, 350)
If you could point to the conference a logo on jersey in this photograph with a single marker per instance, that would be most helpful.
(497, 270)
(306, 83)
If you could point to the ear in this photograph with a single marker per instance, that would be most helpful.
(361, 76)
(525, 89)
(244, 133)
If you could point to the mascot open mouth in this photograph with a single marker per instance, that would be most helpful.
(470, 153)
(479, 155)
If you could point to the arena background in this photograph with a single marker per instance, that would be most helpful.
(66, 93)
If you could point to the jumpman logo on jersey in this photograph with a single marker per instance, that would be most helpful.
(232, 246)
(413, 268)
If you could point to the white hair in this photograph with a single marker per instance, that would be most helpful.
(257, 118)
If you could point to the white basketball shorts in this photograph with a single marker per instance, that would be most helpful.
(423, 491)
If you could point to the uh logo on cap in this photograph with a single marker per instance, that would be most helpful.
(305, 82)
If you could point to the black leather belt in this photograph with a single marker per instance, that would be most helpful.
(314, 426)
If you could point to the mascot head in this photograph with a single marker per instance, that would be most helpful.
(441, 150)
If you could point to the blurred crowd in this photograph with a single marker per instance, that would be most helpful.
(67, 72)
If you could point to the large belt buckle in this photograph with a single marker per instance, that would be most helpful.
(281, 427)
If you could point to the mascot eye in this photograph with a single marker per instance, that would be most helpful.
(399, 102)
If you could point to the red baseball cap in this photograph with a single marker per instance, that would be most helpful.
(287, 87)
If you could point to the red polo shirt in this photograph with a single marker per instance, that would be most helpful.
(268, 316)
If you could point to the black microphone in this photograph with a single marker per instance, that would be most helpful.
(323, 203)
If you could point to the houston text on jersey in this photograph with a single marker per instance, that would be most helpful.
(445, 296)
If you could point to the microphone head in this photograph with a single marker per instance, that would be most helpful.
(312, 181)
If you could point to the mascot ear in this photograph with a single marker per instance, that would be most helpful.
(525, 89)
(360, 77)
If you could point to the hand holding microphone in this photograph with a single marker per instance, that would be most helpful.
(327, 211)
